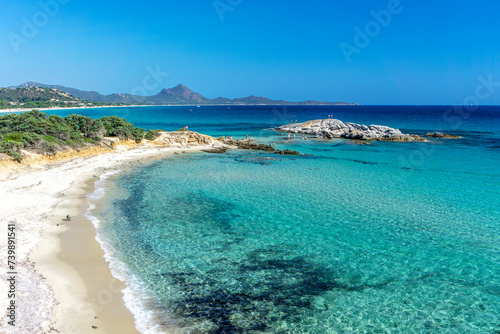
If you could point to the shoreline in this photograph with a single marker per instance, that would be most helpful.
(169, 105)
(90, 297)
(61, 108)
(61, 287)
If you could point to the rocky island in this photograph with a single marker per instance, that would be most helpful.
(334, 128)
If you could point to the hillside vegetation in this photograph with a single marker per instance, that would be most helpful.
(40, 97)
(37, 132)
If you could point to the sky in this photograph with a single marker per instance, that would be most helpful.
(370, 52)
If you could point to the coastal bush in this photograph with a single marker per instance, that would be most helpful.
(91, 141)
(49, 139)
(16, 155)
(73, 143)
(11, 145)
(11, 148)
(31, 140)
(85, 126)
(48, 134)
(138, 134)
(15, 136)
(46, 147)
(152, 134)
(116, 127)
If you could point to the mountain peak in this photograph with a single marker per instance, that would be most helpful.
(180, 89)
(30, 84)
(181, 86)
(182, 94)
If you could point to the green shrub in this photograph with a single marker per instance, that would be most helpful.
(73, 143)
(11, 145)
(91, 141)
(31, 140)
(11, 148)
(138, 134)
(46, 147)
(152, 134)
(16, 136)
(16, 155)
(49, 139)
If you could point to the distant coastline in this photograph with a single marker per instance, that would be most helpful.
(163, 105)
(57, 108)
(178, 95)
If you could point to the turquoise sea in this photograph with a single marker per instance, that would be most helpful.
(345, 238)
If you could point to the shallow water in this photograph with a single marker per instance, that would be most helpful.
(384, 238)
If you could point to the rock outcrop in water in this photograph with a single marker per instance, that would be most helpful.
(334, 128)
(248, 145)
(286, 152)
(441, 135)
(245, 144)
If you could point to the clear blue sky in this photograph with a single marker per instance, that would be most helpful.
(429, 52)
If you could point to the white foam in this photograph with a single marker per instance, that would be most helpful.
(135, 295)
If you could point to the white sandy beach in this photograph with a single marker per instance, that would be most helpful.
(72, 290)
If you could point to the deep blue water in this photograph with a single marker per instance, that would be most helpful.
(219, 120)
(345, 238)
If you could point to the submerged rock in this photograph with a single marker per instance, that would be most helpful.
(334, 128)
(216, 150)
(441, 135)
(248, 145)
(287, 152)
(252, 146)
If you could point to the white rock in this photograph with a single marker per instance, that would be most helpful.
(335, 128)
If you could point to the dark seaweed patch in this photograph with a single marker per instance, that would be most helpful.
(258, 158)
(493, 147)
(364, 162)
(492, 290)
(270, 288)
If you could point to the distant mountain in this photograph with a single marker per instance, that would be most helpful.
(179, 94)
